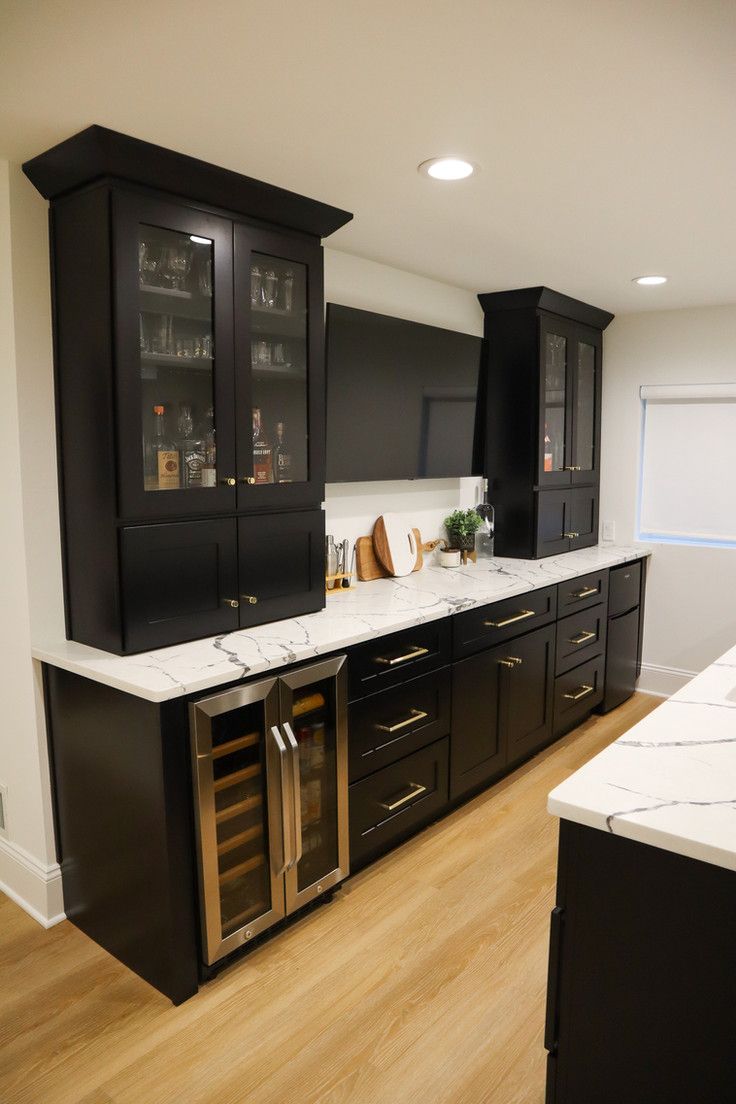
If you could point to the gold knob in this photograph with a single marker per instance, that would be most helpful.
(228, 481)
(232, 602)
(249, 598)
(248, 479)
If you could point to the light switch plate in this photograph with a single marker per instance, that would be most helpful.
(609, 531)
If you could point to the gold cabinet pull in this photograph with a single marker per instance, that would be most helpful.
(571, 535)
(415, 791)
(415, 653)
(233, 603)
(248, 479)
(228, 481)
(511, 661)
(416, 715)
(520, 616)
(578, 695)
(573, 467)
(249, 598)
(586, 592)
(582, 637)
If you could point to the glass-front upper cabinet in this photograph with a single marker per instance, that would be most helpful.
(175, 386)
(555, 343)
(586, 382)
(279, 371)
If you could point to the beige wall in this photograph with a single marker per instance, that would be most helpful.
(691, 597)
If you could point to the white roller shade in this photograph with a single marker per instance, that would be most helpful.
(688, 477)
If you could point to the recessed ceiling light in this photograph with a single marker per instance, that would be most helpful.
(446, 168)
(649, 281)
(200, 241)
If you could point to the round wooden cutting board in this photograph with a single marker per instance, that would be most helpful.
(395, 544)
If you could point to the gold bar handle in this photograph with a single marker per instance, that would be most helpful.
(582, 638)
(586, 592)
(233, 603)
(511, 661)
(416, 715)
(580, 694)
(415, 653)
(415, 791)
(573, 467)
(520, 616)
(571, 535)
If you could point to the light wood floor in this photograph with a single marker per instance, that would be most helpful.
(423, 981)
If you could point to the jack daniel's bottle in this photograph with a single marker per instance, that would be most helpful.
(262, 453)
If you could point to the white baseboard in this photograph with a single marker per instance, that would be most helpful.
(33, 885)
(662, 682)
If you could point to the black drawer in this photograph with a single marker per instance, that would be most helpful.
(586, 590)
(485, 626)
(394, 802)
(624, 586)
(580, 636)
(387, 726)
(576, 692)
(389, 660)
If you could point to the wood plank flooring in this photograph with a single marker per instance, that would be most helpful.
(423, 982)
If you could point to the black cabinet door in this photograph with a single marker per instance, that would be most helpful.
(279, 352)
(582, 516)
(477, 749)
(552, 528)
(556, 341)
(179, 582)
(174, 385)
(281, 565)
(585, 405)
(530, 688)
(621, 659)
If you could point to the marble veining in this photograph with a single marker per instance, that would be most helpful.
(670, 781)
(370, 610)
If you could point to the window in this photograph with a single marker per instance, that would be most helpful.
(687, 490)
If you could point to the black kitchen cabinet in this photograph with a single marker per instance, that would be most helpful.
(542, 419)
(189, 352)
(502, 708)
(627, 585)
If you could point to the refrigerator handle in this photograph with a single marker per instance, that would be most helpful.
(297, 852)
(284, 808)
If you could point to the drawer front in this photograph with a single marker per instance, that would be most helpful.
(485, 626)
(576, 692)
(393, 802)
(580, 593)
(624, 585)
(580, 637)
(390, 660)
(387, 726)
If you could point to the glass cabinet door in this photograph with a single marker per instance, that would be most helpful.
(586, 358)
(314, 719)
(175, 375)
(241, 771)
(278, 311)
(555, 347)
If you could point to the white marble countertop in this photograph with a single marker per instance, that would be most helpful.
(370, 610)
(670, 781)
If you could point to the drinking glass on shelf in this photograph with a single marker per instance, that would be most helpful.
(180, 262)
(205, 278)
(145, 341)
(288, 290)
(207, 346)
(185, 347)
(163, 338)
(279, 355)
(256, 287)
(263, 353)
(149, 263)
(270, 288)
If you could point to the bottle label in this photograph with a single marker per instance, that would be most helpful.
(168, 470)
(209, 477)
(193, 465)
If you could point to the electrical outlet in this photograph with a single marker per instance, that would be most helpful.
(3, 810)
(609, 531)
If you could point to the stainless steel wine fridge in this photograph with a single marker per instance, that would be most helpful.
(271, 788)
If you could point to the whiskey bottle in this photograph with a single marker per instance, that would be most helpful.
(281, 457)
(209, 468)
(191, 449)
(163, 465)
(262, 453)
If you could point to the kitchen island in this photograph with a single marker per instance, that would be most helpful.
(643, 938)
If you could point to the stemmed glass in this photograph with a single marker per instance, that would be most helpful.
(149, 263)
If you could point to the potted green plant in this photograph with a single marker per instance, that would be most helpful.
(461, 526)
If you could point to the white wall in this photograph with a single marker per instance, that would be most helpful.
(691, 596)
(28, 870)
(352, 508)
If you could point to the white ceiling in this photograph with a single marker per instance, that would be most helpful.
(604, 128)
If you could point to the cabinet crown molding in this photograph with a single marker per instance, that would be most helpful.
(544, 298)
(97, 152)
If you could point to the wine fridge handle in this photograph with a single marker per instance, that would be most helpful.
(297, 819)
(284, 859)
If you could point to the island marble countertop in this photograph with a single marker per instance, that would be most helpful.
(670, 781)
(370, 610)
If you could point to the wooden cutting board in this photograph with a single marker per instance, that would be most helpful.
(368, 566)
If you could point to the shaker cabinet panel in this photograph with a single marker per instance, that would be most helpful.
(179, 582)
(281, 558)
